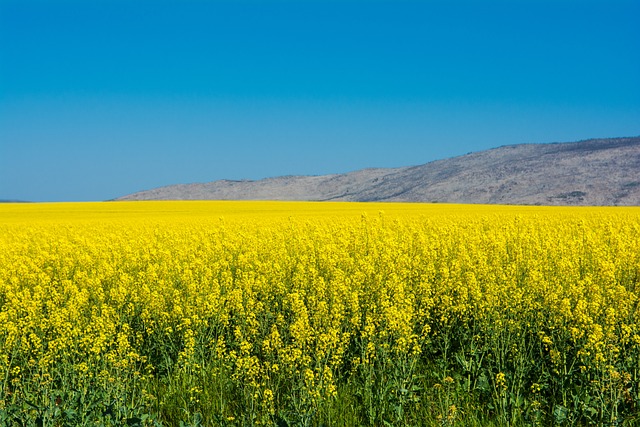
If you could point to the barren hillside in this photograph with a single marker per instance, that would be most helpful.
(590, 172)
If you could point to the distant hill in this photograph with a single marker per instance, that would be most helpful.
(590, 172)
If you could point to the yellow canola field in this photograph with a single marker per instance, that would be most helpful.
(533, 311)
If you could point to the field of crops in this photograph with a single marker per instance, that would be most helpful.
(318, 314)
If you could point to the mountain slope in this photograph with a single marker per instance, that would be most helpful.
(591, 172)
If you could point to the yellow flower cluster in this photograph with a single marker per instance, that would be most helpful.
(292, 298)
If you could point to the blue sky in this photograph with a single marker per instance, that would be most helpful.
(103, 98)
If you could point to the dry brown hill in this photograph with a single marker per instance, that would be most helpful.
(591, 172)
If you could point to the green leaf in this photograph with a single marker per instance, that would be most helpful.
(560, 413)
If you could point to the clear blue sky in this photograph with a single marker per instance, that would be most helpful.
(103, 98)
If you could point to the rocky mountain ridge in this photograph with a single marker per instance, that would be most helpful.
(590, 172)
